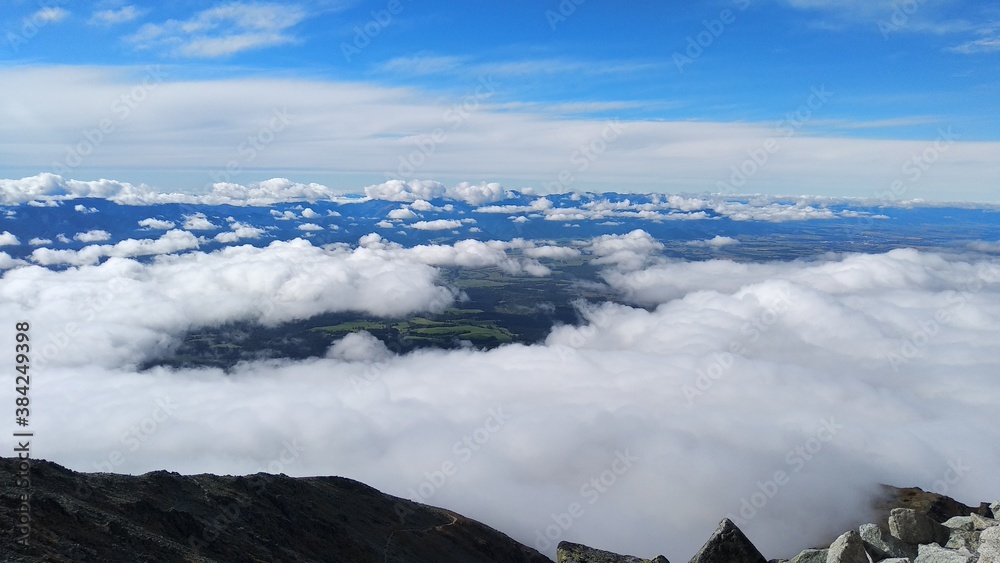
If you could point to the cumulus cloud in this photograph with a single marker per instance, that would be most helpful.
(48, 188)
(171, 241)
(84, 209)
(8, 239)
(423, 190)
(477, 194)
(629, 251)
(308, 213)
(437, 225)
(198, 222)
(92, 236)
(153, 223)
(38, 241)
(309, 227)
(358, 346)
(551, 252)
(707, 391)
(402, 213)
(239, 231)
(277, 283)
(412, 190)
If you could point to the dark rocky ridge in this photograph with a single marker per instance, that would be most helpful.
(167, 517)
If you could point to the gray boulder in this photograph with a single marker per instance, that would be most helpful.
(897, 560)
(848, 548)
(569, 552)
(969, 539)
(914, 528)
(934, 553)
(995, 507)
(989, 546)
(811, 556)
(728, 545)
(981, 523)
(880, 545)
(960, 523)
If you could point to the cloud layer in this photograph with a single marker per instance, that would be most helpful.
(841, 372)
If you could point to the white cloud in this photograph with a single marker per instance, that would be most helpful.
(222, 31)
(308, 213)
(989, 44)
(92, 236)
(402, 213)
(477, 194)
(198, 222)
(423, 206)
(239, 231)
(84, 209)
(358, 346)
(309, 227)
(8, 239)
(153, 223)
(125, 14)
(50, 15)
(7, 261)
(144, 306)
(629, 251)
(171, 241)
(551, 252)
(37, 241)
(210, 116)
(436, 225)
(788, 345)
(715, 242)
(409, 191)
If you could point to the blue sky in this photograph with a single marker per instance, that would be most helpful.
(700, 86)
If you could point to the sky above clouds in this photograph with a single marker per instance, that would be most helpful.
(802, 96)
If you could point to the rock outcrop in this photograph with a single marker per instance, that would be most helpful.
(569, 552)
(728, 545)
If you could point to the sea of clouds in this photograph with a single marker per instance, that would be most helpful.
(779, 393)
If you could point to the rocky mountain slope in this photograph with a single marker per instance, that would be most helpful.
(168, 517)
